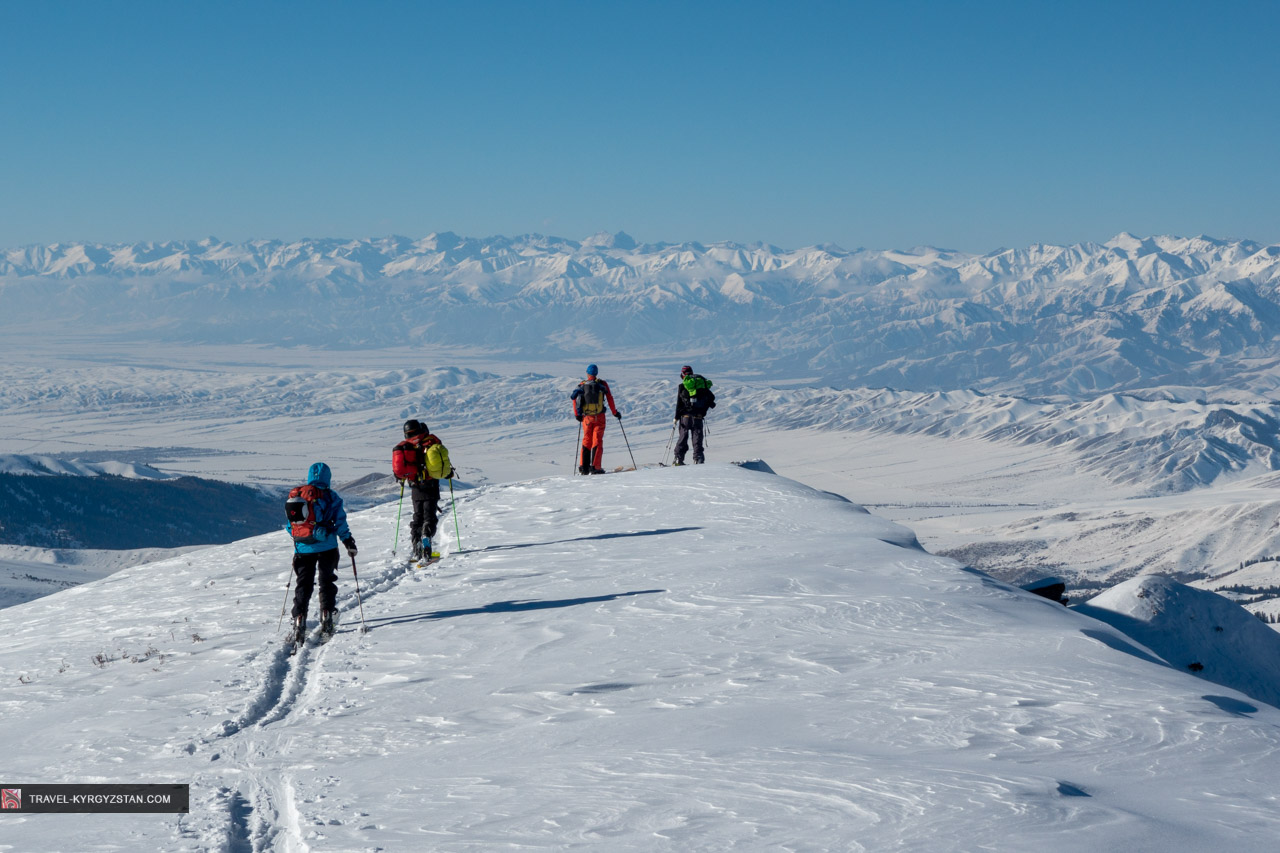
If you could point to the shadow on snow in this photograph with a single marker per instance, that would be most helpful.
(505, 607)
(659, 532)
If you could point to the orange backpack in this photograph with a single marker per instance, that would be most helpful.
(300, 509)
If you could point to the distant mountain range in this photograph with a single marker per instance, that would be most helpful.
(1198, 316)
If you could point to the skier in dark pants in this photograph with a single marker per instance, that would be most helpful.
(693, 400)
(422, 461)
(318, 553)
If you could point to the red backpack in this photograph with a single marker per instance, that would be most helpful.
(300, 509)
(407, 461)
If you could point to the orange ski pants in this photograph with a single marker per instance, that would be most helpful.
(593, 439)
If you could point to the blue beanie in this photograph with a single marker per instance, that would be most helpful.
(319, 475)
(592, 370)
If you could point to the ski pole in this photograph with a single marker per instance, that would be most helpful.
(454, 501)
(364, 629)
(287, 585)
(578, 448)
(670, 438)
(395, 543)
(624, 438)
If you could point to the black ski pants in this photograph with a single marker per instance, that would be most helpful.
(305, 569)
(425, 495)
(690, 431)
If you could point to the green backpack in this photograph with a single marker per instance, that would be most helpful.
(694, 382)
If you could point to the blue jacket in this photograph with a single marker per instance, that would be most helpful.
(329, 511)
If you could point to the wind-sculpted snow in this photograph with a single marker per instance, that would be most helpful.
(1081, 320)
(705, 658)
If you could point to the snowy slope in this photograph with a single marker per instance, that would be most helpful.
(1198, 314)
(707, 658)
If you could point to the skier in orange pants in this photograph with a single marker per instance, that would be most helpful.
(589, 400)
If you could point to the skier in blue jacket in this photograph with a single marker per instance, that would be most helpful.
(320, 553)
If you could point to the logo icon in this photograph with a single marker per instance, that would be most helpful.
(11, 798)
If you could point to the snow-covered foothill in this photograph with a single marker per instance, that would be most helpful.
(49, 466)
(1196, 630)
(699, 658)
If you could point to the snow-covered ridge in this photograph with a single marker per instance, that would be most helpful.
(1157, 445)
(1078, 320)
(48, 466)
(625, 663)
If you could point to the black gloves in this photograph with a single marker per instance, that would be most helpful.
(350, 542)
(618, 415)
(579, 417)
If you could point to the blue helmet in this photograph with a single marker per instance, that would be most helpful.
(592, 370)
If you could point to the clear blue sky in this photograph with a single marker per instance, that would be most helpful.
(970, 125)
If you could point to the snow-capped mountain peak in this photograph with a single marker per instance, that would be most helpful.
(1068, 320)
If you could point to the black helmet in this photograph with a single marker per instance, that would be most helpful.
(414, 427)
(686, 371)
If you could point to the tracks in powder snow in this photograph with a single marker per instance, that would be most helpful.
(254, 793)
(254, 789)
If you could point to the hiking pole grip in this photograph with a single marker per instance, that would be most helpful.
(364, 629)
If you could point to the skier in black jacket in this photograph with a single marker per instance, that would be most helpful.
(693, 400)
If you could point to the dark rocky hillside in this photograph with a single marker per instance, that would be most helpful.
(125, 513)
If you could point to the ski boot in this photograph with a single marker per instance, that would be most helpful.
(326, 622)
(297, 634)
